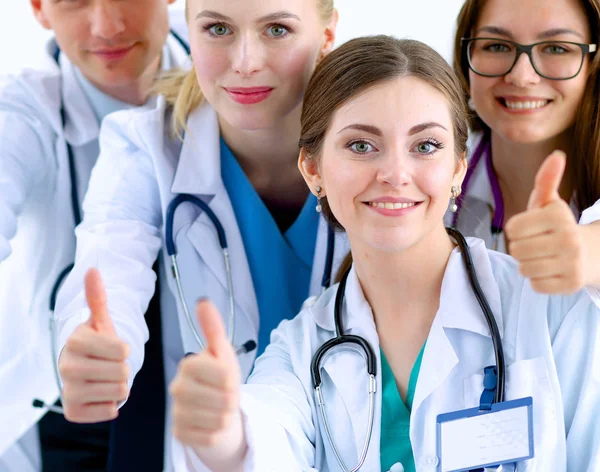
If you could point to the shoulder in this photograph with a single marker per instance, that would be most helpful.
(135, 125)
(34, 93)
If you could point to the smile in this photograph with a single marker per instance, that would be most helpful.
(391, 205)
(524, 104)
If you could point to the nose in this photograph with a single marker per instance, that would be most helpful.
(394, 169)
(248, 56)
(523, 73)
(106, 20)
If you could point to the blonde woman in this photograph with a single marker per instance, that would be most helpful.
(225, 135)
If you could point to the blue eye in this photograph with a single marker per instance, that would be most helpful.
(361, 147)
(277, 31)
(219, 30)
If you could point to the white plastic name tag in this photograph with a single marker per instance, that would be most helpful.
(473, 438)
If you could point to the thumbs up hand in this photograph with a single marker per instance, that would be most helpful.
(93, 363)
(206, 391)
(545, 239)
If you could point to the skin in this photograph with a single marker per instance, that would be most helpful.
(88, 30)
(90, 397)
(567, 257)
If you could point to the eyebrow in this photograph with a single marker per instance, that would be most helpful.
(545, 35)
(377, 132)
(279, 15)
(366, 128)
(423, 126)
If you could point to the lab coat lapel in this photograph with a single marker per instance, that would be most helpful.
(459, 309)
(347, 371)
(199, 173)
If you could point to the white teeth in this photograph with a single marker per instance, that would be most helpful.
(391, 206)
(526, 105)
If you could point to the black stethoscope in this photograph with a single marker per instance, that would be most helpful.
(172, 252)
(76, 210)
(494, 375)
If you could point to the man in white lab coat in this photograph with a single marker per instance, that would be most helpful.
(104, 57)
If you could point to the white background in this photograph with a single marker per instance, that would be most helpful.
(431, 21)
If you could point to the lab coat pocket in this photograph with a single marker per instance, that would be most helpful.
(527, 378)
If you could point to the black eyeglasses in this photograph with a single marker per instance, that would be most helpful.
(554, 60)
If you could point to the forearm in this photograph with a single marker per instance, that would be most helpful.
(590, 235)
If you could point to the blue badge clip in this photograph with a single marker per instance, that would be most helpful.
(490, 383)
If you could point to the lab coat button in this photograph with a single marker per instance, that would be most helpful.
(429, 462)
(397, 467)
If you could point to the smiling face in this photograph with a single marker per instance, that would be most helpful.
(113, 43)
(521, 106)
(253, 58)
(388, 164)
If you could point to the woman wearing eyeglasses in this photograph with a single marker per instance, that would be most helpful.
(531, 72)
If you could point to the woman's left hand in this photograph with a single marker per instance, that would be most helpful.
(546, 239)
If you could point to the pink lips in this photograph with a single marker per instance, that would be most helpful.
(112, 54)
(249, 95)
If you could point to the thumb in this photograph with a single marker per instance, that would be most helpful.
(547, 181)
(96, 299)
(212, 326)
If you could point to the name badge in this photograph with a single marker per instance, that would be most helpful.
(474, 438)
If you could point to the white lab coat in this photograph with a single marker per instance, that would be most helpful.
(139, 171)
(37, 238)
(552, 351)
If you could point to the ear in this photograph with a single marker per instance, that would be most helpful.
(329, 34)
(461, 170)
(310, 171)
(39, 13)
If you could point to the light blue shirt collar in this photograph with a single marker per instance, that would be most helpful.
(102, 104)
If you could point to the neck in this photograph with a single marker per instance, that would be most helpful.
(269, 157)
(516, 166)
(411, 280)
(265, 151)
(134, 93)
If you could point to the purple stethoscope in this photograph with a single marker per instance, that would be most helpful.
(482, 151)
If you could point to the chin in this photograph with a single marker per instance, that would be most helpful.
(530, 134)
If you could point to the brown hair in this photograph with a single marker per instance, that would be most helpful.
(181, 89)
(584, 161)
(362, 63)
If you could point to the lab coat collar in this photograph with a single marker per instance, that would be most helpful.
(459, 308)
(199, 167)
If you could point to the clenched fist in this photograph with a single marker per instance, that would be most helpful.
(546, 239)
(206, 391)
(93, 363)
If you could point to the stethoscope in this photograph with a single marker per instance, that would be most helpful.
(249, 345)
(76, 210)
(495, 388)
(483, 150)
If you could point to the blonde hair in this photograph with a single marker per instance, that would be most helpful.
(182, 92)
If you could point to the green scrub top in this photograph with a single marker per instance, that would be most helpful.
(395, 417)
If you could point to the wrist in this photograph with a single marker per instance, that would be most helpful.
(229, 451)
(590, 235)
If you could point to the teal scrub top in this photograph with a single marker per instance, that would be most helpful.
(280, 264)
(395, 417)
